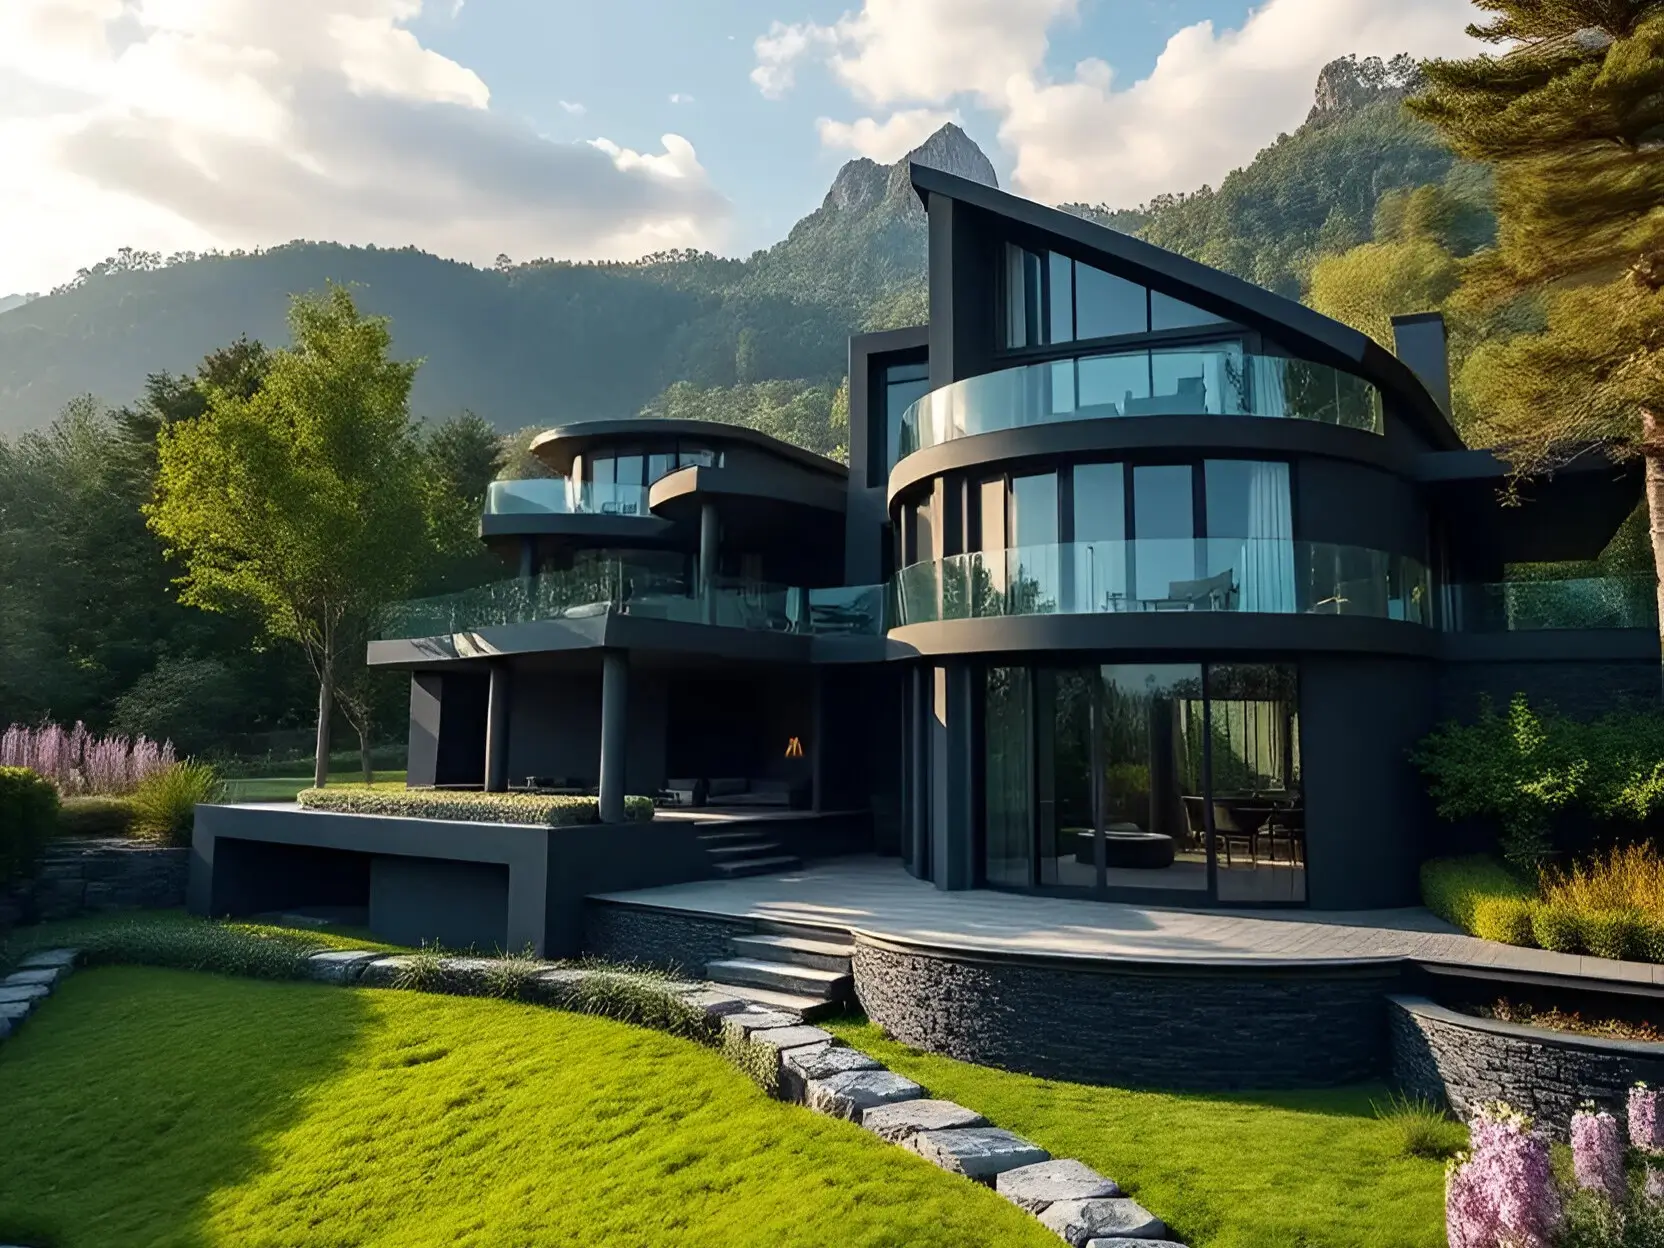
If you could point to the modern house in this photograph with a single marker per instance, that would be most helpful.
(1141, 584)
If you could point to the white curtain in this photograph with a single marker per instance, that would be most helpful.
(1268, 551)
(1268, 396)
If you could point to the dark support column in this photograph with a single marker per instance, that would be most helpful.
(496, 730)
(615, 696)
(919, 720)
(709, 534)
(817, 748)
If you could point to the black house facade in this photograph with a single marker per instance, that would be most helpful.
(1141, 584)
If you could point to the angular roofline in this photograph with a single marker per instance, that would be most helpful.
(1294, 325)
(564, 441)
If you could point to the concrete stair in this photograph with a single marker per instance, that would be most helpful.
(735, 853)
(804, 970)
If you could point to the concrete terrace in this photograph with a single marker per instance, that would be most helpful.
(876, 897)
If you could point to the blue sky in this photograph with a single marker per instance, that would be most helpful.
(765, 155)
(554, 128)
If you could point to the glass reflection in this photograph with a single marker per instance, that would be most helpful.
(1152, 774)
(1008, 776)
(1259, 815)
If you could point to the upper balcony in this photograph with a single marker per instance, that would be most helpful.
(1210, 380)
(563, 496)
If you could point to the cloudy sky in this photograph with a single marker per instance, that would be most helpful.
(587, 130)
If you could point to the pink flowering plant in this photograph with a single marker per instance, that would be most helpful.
(80, 763)
(1509, 1191)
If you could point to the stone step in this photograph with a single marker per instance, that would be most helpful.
(826, 955)
(808, 931)
(807, 1007)
(746, 849)
(717, 838)
(757, 866)
(807, 981)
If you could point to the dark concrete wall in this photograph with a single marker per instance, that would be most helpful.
(555, 728)
(1147, 1025)
(1582, 689)
(1366, 804)
(1462, 1061)
(459, 905)
(1351, 504)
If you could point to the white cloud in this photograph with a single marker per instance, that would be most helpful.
(885, 141)
(680, 97)
(573, 107)
(1214, 97)
(173, 124)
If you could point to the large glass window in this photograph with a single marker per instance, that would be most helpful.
(1008, 776)
(1146, 776)
(1100, 551)
(1167, 312)
(1106, 305)
(1250, 547)
(904, 385)
(1164, 524)
(1051, 299)
(1032, 561)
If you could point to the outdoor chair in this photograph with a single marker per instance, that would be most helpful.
(1228, 827)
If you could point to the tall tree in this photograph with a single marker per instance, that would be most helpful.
(302, 500)
(1572, 119)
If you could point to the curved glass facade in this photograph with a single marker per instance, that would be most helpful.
(1252, 575)
(1219, 379)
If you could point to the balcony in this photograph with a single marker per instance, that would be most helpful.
(1531, 606)
(644, 592)
(1220, 380)
(1249, 575)
(562, 496)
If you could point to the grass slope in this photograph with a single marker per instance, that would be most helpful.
(157, 1107)
(1276, 1170)
(284, 788)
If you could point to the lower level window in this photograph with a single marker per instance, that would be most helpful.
(1182, 777)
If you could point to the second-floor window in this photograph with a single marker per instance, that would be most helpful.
(1051, 299)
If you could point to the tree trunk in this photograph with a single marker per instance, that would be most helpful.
(326, 707)
(1652, 449)
(364, 756)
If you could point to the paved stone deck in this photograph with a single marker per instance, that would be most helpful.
(876, 896)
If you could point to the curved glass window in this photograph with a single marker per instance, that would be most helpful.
(1218, 379)
(1238, 574)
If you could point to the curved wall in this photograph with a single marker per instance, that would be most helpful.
(1143, 1024)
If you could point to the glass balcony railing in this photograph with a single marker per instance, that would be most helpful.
(1253, 575)
(646, 592)
(1526, 606)
(1220, 380)
(561, 496)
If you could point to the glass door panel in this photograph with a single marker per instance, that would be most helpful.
(1064, 726)
(1008, 798)
(1259, 817)
(1150, 754)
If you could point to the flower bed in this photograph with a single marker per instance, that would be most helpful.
(532, 808)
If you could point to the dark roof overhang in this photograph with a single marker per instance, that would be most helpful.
(1294, 326)
(557, 446)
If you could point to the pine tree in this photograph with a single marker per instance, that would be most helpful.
(1571, 117)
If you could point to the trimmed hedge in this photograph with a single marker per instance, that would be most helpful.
(541, 809)
(106, 817)
(28, 818)
(1453, 889)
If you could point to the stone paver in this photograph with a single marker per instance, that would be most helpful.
(1080, 1221)
(903, 1119)
(46, 976)
(1118, 1242)
(26, 993)
(49, 957)
(717, 1002)
(979, 1153)
(740, 1025)
(339, 966)
(781, 1039)
(1038, 1186)
(870, 894)
(797, 1066)
(384, 972)
(14, 1012)
(850, 1093)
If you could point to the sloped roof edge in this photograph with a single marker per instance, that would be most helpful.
(1295, 326)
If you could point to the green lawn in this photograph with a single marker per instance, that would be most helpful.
(284, 788)
(157, 1107)
(1280, 1170)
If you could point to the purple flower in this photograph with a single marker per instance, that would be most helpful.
(77, 762)
(1598, 1154)
(1502, 1192)
(1643, 1118)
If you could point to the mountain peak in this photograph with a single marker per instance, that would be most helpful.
(863, 183)
(1348, 84)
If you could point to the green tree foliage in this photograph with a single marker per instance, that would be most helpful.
(808, 416)
(1369, 285)
(1572, 121)
(303, 501)
(192, 702)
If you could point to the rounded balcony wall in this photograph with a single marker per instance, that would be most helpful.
(1219, 380)
(1199, 575)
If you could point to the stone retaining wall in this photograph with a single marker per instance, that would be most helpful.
(1201, 1028)
(1464, 1061)
(670, 939)
(83, 877)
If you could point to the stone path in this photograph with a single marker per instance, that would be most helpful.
(792, 1060)
(876, 896)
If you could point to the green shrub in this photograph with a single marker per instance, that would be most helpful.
(1424, 1129)
(1611, 933)
(198, 945)
(514, 976)
(108, 817)
(1649, 939)
(476, 807)
(1452, 887)
(1504, 919)
(164, 804)
(28, 817)
(1558, 927)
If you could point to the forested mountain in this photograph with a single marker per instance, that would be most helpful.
(551, 341)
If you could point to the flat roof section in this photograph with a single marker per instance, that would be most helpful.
(557, 446)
